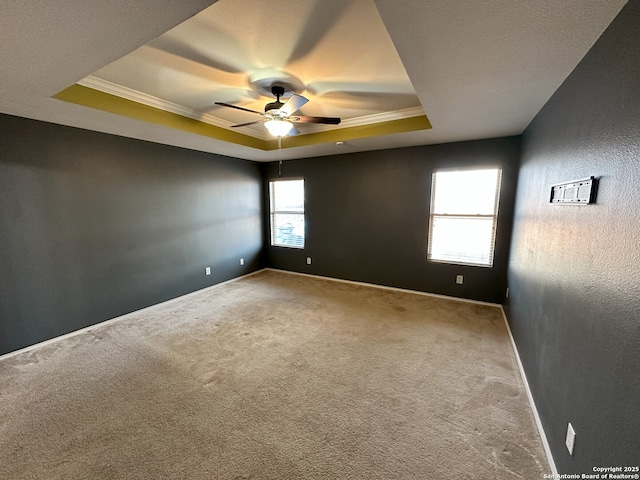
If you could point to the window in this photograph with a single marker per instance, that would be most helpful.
(464, 212)
(287, 213)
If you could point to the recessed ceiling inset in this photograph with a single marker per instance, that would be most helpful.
(337, 54)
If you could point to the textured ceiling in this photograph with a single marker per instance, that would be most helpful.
(478, 69)
(236, 50)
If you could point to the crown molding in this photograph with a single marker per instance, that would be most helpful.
(151, 101)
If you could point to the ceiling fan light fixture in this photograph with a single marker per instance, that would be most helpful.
(278, 127)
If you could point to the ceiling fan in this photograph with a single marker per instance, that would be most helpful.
(279, 117)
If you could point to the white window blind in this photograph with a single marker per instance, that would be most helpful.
(286, 198)
(464, 213)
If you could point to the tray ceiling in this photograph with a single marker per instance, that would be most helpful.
(153, 69)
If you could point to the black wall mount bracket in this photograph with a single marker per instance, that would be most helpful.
(575, 192)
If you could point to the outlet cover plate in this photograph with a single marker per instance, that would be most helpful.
(571, 438)
(459, 279)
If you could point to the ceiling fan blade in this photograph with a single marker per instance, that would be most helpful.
(202, 43)
(294, 104)
(359, 88)
(239, 108)
(327, 120)
(320, 21)
(293, 131)
(246, 124)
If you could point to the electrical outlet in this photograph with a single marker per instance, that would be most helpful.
(459, 279)
(207, 271)
(308, 260)
(571, 438)
(242, 261)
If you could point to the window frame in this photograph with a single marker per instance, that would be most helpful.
(273, 213)
(496, 210)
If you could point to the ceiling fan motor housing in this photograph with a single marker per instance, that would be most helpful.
(269, 107)
(277, 91)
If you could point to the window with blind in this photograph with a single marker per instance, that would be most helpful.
(464, 214)
(286, 199)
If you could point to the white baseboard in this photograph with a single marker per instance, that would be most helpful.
(120, 318)
(543, 436)
(395, 289)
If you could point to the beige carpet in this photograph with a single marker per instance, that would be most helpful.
(275, 376)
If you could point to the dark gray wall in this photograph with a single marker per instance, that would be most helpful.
(367, 217)
(93, 226)
(574, 272)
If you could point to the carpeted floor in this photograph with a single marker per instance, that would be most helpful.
(275, 376)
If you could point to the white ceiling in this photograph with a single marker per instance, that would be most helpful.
(235, 50)
(480, 68)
